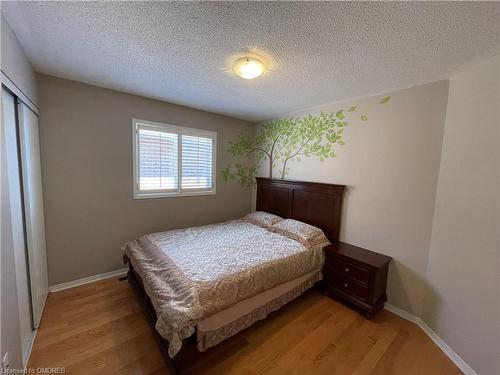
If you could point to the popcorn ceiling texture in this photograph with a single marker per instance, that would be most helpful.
(319, 52)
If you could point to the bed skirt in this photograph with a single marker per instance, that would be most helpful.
(207, 339)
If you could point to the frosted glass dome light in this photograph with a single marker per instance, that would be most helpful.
(249, 67)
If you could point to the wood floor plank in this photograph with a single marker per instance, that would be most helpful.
(279, 340)
(116, 359)
(313, 347)
(372, 358)
(98, 329)
(346, 350)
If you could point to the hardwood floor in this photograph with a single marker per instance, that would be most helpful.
(99, 329)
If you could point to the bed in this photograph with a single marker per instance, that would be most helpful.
(199, 286)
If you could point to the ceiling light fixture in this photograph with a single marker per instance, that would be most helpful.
(249, 67)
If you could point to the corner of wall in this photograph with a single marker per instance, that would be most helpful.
(16, 66)
(459, 300)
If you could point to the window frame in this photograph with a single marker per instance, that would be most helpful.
(180, 131)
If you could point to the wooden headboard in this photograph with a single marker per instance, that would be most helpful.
(314, 203)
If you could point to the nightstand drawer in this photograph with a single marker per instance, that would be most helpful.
(347, 269)
(348, 286)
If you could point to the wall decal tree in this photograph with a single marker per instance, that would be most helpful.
(281, 141)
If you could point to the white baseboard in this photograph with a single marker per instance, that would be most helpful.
(450, 353)
(86, 280)
(403, 314)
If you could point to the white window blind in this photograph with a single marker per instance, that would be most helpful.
(172, 160)
(158, 160)
(197, 162)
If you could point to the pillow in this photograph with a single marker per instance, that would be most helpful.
(308, 235)
(262, 219)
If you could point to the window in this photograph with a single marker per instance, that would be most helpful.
(172, 160)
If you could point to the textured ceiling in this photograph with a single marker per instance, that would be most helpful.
(318, 52)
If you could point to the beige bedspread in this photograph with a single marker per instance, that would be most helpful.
(193, 273)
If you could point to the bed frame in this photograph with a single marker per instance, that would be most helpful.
(314, 203)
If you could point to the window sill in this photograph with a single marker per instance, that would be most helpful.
(172, 195)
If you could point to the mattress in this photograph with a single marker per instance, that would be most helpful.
(194, 273)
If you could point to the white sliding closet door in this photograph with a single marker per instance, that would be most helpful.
(15, 211)
(33, 204)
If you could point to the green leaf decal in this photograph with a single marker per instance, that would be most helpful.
(279, 144)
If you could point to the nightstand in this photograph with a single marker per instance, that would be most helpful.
(356, 276)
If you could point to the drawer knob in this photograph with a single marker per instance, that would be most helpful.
(347, 270)
(345, 285)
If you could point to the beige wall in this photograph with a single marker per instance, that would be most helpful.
(86, 150)
(423, 186)
(390, 164)
(15, 65)
(463, 277)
